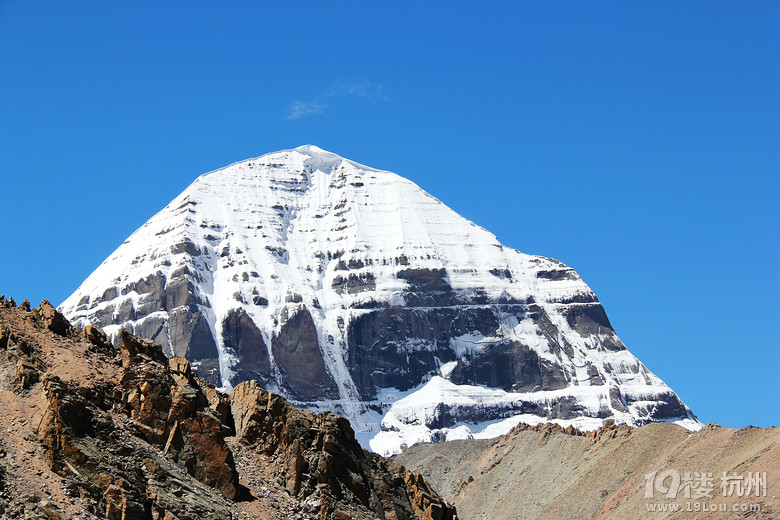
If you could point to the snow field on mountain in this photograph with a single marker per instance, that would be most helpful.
(273, 236)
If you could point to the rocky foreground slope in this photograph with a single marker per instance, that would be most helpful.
(351, 289)
(546, 472)
(88, 431)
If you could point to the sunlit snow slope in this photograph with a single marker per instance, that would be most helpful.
(351, 289)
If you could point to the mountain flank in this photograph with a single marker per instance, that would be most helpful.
(90, 431)
(546, 471)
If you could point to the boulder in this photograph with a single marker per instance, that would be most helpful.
(52, 319)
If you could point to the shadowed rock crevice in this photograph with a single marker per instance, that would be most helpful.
(398, 347)
(241, 337)
(296, 350)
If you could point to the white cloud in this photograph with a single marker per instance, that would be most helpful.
(340, 88)
(366, 89)
(300, 109)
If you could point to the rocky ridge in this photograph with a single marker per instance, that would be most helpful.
(547, 471)
(90, 431)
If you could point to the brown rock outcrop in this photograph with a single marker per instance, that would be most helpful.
(68, 435)
(424, 501)
(95, 336)
(318, 456)
(170, 410)
(52, 319)
(19, 364)
(89, 431)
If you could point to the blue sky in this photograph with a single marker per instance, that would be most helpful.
(638, 142)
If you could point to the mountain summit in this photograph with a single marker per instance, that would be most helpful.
(347, 288)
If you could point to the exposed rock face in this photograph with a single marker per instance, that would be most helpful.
(52, 319)
(171, 411)
(297, 353)
(320, 457)
(341, 286)
(241, 335)
(90, 431)
(377, 357)
(82, 450)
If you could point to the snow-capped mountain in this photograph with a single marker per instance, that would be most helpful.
(349, 288)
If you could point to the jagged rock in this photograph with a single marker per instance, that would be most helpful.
(52, 319)
(219, 403)
(134, 350)
(19, 366)
(27, 373)
(72, 432)
(92, 446)
(171, 411)
(98, 338)
(424, 501)
(140, 436)
(320, 455)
